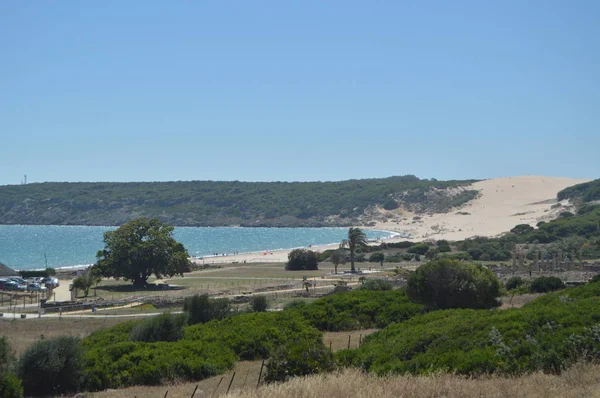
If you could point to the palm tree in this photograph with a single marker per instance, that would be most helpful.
(356, 238)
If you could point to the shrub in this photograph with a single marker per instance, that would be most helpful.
(596, 278)
(377, 284)
(451, 284)
(164, 327)
(377, 258)
(128, 363)
(10, 385)
(52, 366)
(522, 229)
(545, 284)
(547, 337)
(443, 246)
(259, 303)
(200, 308)
(419, 248)
(300, 358)
(358, 309)
(514, 282)
(294, 303)
(405, 244)
(302, 260)
(324, 255)
(255, 335)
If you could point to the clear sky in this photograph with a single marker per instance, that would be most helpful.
(130, 90)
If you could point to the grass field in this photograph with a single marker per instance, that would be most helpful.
(22, 333)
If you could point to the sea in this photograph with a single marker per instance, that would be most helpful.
(26, 247)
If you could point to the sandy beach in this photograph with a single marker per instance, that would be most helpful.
(502, 204)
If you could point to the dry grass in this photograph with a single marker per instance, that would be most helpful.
(518, 300)
(583, 380)
(339, 340)
(22, 333)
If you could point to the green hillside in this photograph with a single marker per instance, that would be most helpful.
(586, 192)
(218, 203)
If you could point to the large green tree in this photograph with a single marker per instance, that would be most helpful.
(140, 248)
(356, 238)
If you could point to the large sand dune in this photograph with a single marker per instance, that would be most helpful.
(502, 204)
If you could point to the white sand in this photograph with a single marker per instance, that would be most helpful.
(502, 204)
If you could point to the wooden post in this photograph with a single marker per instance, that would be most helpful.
(215, 390)
(349, 336)
(359, 339)
(166, 393)
(230, 383)
(260, 373)
(192, 396)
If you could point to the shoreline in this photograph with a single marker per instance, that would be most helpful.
(274, 255)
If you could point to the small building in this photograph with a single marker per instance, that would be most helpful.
(6, 272)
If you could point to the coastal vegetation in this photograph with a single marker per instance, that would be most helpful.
(585, 192)
(222, 203)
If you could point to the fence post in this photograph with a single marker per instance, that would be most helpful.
(260, 373)
(215, 390)
(349, 336)
(230, 383)
(166, 392)
(192, 396)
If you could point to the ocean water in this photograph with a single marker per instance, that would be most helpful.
(30, 247)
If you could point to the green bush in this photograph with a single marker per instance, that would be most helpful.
(443, 246)
(164, 327)
(125, 363)
(400, 245)
(324, 255)
(377, 284)
(299, 358)
(419, 248)
(255, 335)
(302, 260)
(514, 282)
(358, 309)
(52, 366)
(447, 284)
(544, 336)
(377, 258)
(259, 303)
(10, 385)
(201, 309)
(294, 303)
(545, 284)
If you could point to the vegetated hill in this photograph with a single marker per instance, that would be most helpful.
(219, 203)
(586, 192)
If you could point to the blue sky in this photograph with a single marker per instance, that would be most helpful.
(298, 90)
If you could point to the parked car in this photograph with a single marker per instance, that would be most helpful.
(12, 285)
(35, 287)
(20, 281)
(51, 283)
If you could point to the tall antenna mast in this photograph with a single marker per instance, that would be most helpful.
(25, 180)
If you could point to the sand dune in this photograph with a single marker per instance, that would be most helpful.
(502, 204)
